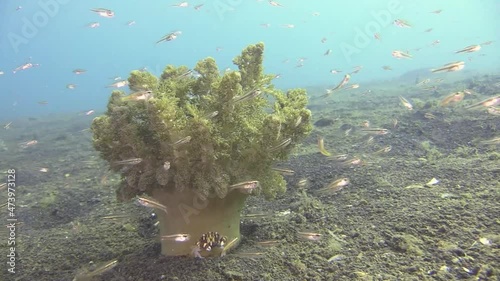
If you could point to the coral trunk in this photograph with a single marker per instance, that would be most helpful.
(188, 213)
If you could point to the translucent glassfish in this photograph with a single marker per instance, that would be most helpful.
(453, 98)
(493, 101)
(151, 204)
(336, 185)
(450, 67)
(131, 161)
(282, 144)
(406, 103)
(469, 49)
(106, 13)
(250, 95)
(181, 237)
(311, 236)
(169, 37)
(246, 187)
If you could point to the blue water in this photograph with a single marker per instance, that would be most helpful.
(53, 33)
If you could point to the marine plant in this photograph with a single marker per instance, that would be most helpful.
(199, 142)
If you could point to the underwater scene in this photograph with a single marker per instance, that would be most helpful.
(252, 140)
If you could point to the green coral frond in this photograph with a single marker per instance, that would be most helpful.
(250, 65)
(209, 130)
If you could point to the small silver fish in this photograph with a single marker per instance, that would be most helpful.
(151, 204)
(342, 83)
(183, 140)
(25, 66)
(311, 236)
(187, 73)
(283, 144)
(118, 84)
(79, 71)
(137, 96)
(375, 131)
(246, 187)
(181, 237)
(285, 172)
(250, 95)
(169, 37)
(131, 161)
(106, 13)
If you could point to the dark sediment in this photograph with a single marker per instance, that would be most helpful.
(386, 225)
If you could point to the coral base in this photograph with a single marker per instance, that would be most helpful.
(188, 213)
